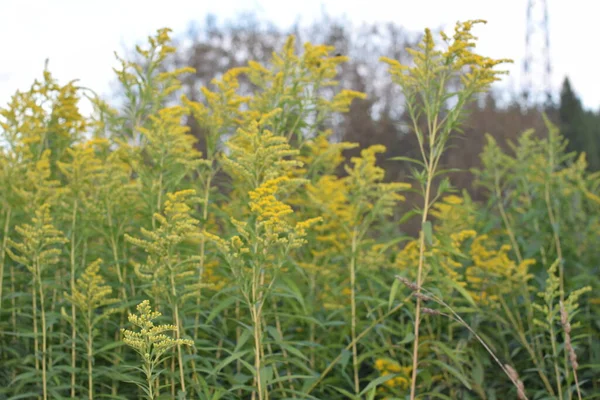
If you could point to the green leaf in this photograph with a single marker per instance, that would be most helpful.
(393, 292)
(225, 303)
(376, 382)
(346, 393)
(408, 159)
(428, 232)
(462, 291)
(243, 339)
(345, 358)
(478, 373)
(453, 371)
(235, 356)
(266, 375)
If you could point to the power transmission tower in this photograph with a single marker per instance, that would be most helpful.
(537, 68)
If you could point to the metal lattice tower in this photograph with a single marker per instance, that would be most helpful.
(537, 69)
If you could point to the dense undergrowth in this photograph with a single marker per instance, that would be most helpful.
(272, 267)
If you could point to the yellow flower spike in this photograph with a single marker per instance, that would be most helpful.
(165, 266)
(36, 248)
(150, 342)
(91, 293)
(342, 100)
(258, 155)
(387, 367)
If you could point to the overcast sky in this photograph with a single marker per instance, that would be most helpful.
(79, 36)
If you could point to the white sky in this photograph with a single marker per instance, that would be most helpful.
(79, 36)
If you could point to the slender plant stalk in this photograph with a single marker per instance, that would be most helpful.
(238, 334)
(555, 358)
(44, 338)
(13, 316)
(36, 344)
(256, 321)
(503, 214)
(173, 384)
(160, 189)
(275, 369)
(389, 346)
(353, 307)
(554, 222)
(73, 308)
(455, 316)
(356, 340)
(178, 325)
(149, 371)
(556, 237)
(123, 292)
(179, 353)
(3, 253)
(312, 327)
(577, 384)
(90, 354)
(202, 254)
(520, 330)
(415, 356)
(283, 350)
(462, 322)
(530, 350)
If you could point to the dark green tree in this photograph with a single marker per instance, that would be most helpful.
(578, 126)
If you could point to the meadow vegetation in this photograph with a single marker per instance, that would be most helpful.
(272, 266)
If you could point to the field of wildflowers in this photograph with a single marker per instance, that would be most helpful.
(273, 266)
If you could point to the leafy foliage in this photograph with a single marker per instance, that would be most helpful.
(271, 259)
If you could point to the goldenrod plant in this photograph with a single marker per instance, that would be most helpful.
(436, 100)
(267, 258)
(37, 251)
(92, 297)
(151, 344)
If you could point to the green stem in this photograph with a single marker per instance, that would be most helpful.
(90, 355)
(415, 356)
(36, 343)
(202, 254)
(44, 338)
(256, 321)
(3, 253)
(356, 340)
(353, 307)
(555, 358)
(73, 309)
(179, 354)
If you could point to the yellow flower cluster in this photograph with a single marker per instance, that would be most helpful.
(169, 142)
(366, 189)
(386, 367)
(330, 195)
(165, 265)
(92, 292)
(37, 248)
(38, 187)
(435, 65)
(493, 273)
(222, 112)
(271, 215)
(146, 87)
(321, 156)
(150, 342)
(459, 54)
(258, 154)
(270, 211)
(45, 116)
(84, 169)
(472, 260)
